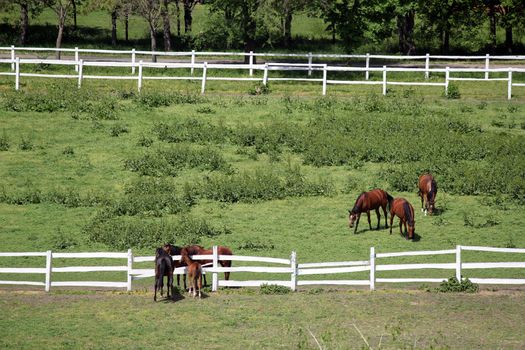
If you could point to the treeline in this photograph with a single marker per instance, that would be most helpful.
(410, 25)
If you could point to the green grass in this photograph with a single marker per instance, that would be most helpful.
(243, 319)
(65, 164)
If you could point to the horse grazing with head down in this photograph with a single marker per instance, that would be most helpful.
(366, 201)
(401, 208)
(194, 273)
(427, 191)
(163, 267)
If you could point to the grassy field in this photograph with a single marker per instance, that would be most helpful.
(327, 319)
(106, 169)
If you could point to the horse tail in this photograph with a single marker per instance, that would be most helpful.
(433, 189)
(389, 199)
(408, 213)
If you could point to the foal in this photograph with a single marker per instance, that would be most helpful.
(194, 273)
(163, 267)
(367, 201)
(405, 212)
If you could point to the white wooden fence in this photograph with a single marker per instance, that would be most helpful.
(295, 272)
(450, 74)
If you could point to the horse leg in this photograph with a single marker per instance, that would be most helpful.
(156, 282)
(368, 216)
(386, 216)
(401, 226)
(170, 285)
(200, 285)
(357, 223)
(378, 218)
(391, 221)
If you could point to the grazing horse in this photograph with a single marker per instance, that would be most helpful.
(367, 201)
(194, 274)
(198, 250)
(163, 267)
(427, 192)
(401, 208)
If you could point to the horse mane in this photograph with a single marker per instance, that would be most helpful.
(433, 190)
(357, 206)
(408, 213)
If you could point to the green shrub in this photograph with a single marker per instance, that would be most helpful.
(4, 142)
(259, 89)
(274, 289)
(26, 144)
(118, 129)
(454, 286)
(453, 91)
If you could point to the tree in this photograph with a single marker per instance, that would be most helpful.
(61, 9)
(167, 28)
(151, 11)
(27, 7)
(445, 15)
(114, 7)
(285, 9)
(189, 6)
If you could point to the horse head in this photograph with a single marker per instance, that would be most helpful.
(352, 217)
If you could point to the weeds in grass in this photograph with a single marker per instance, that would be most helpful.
(4, 142)
(454, 286)
(274, 289)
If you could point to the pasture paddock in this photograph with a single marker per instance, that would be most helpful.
(393, 318)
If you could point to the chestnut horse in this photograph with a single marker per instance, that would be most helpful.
(163, 267)
(427, 192)
(367, 201)
(198, 250)
(194, 272)
(401, 208)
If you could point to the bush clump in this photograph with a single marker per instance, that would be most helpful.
(274, 289)
(454, 286)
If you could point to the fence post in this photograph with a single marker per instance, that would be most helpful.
(427, 66)
(487, 66)
(76, 58)
(192, 61)
(17, 73)
(140, 76)
(293, 265)
(49, 257)
(447, 77)
(458, 263)
(372, 268)
(215, 276)
(509, 89)
(133, 60)
(130, 268)
(325, 72)
(204, 72)
(367, 73)
(265, 75)
(309, 63)
(13, 57)
(251, 63)
(80, 72)
(384, 80)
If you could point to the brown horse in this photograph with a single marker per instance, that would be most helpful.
(427, 192)
(401, 208)
(198, 250)
(367, 201)
(163, 267)
(194, 274)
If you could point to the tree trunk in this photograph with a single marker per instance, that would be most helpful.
(24, 23)
(249, 29)
(73, 2)
(188, 19)
(61, 24)
(287, 34)
(405, 26)
(446, 40)
(492, 20)
(153, 42)
(177, 7)
(167, 27)
(126, 27)
(114, 27)
(508, 39)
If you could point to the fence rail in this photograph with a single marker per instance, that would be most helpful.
(296, 272)
(267, 67)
